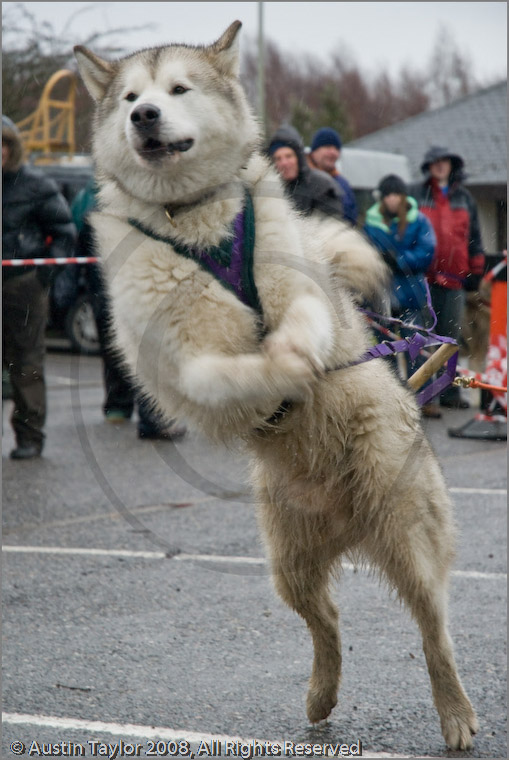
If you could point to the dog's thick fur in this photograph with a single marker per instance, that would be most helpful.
(347, 469)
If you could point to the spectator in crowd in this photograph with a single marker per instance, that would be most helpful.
(36, 223)
(405, 238)
(310, 190)
(458, 263)
(324, 155)
(120, 394)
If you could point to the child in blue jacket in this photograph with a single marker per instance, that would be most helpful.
(405, 238)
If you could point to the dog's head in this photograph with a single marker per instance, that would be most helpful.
(171, 120)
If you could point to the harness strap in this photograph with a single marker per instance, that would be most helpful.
(231, 262)
(414, 345)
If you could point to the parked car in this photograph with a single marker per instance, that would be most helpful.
(76, 321)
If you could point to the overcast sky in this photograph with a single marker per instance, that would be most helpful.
(377, 35)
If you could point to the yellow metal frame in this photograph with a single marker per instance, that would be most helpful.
(50, 128)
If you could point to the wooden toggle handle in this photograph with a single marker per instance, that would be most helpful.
(433, 364)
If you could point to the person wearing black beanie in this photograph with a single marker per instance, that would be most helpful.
(325, 152)
(392, 184)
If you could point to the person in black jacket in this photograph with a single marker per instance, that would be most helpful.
(310, 190)
(36, 222)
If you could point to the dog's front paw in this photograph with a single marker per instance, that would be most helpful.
(282, 348)
(458, 729)
(292, 375)
(319, 704)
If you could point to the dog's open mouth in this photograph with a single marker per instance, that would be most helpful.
(156, 149)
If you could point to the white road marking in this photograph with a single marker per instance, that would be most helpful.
(57, 381)
(130, 730)
(221, 558)
(84, 552)
(487, 491)
(207, 558)
(120, 729)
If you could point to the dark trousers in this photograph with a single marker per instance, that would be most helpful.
(120, 393)
(449, 306)
(25, 315)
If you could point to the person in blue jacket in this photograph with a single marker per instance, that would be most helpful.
(406, 240)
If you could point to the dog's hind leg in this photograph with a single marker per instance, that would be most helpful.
(301, 574)
(415, 556)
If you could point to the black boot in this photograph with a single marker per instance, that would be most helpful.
(452, 399)
(26, 451)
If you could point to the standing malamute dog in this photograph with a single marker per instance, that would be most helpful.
(228, 307)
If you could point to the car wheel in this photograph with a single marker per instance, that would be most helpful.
(80, 327)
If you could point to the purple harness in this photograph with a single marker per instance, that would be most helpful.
(232, 275)
(231, 264)
(414, 345)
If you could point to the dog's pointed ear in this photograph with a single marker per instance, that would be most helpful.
(226, 50)
(95, 72)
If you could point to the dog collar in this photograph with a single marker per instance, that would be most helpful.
(170, 209)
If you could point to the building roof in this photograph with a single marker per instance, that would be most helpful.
(474, 127)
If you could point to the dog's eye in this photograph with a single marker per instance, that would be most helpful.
(179, 90)
(131, 96)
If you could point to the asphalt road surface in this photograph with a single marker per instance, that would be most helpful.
(138, 607)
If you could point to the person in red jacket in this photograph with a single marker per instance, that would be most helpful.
(458, 262)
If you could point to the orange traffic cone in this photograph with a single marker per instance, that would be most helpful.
(491, 424)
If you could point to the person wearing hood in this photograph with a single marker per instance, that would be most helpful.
(309, 189)
(36, 223)
(406, 241)
(458, 263)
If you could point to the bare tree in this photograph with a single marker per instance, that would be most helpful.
(300, 89)
(309, 93)
(450, 72)
(32, 52)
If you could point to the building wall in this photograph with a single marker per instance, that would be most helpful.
(488, 221)
(492, 207)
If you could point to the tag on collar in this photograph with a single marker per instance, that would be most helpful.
(169, 216)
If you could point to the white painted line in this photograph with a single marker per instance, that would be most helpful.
(84, 552)
(208, 558)
(119, 729)
(220, 559)
(130, 730)
(478, 574)
(56, 382)
(487, 491)
(456, 573)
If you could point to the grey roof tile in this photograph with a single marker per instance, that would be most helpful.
(474, 127)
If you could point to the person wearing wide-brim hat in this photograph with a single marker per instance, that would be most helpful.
(436, 154)
(458, 263)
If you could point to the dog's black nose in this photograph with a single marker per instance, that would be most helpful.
(145, 116)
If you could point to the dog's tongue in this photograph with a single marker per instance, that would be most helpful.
(181, 146)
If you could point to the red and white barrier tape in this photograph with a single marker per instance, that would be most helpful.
(52, 262)
(496, 269)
